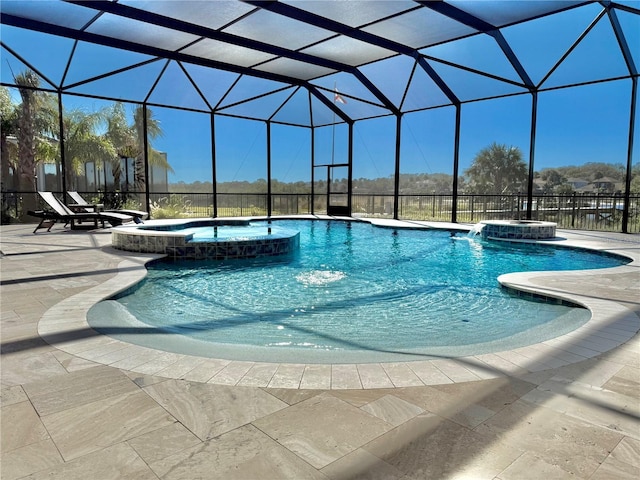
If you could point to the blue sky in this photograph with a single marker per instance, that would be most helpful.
(575, 126)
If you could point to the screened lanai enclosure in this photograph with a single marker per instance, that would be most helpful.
(457, 110)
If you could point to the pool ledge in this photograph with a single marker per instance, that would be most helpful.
(608, 293)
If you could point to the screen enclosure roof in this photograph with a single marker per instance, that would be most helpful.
(317, 62)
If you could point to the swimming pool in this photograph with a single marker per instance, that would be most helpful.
(353, 293)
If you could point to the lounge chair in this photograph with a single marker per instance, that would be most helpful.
(81, 202)
(60, 212)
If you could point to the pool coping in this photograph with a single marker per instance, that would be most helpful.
(611, 325)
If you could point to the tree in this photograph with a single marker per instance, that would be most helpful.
(8, 126)
(27, 83)
(635, 180)
(121, 136)
(128, 141)
(154, 157)
(553, 179)
(593, 171)
(82, 144)
(36, 129)
(497, 169)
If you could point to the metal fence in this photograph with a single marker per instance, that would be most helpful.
(583, 212)
(228, 204)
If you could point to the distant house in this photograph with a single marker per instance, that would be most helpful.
(580, 185)
(159, 176)
(604, 184)
(577, 183)
(95, 177)
(46, 175)
(600, 185)
(101, 177)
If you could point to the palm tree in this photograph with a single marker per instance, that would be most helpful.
(82, 144)
(34, 123)
(128, 141)
(497, 169)
(8, 126)
(121, 136)
(36, 129)
(47, 126)
(154, 157)
(8, 151)
(27, 83)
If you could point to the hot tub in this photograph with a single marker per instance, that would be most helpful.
(517, 229)
(206, 239)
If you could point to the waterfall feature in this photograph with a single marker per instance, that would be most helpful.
(476, 230)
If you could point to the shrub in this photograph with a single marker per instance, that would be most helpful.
(173, 206)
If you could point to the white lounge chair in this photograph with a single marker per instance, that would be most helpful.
(59, 212)
(76, 197)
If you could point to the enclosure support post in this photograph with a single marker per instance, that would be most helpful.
(145, 154)
(213, 165)
(313, 170)
(268, 168)
(627, 185)
(633, 72)
(62, 155)
(350, 169)
(456, 166)
(532, 150)
(396, 187)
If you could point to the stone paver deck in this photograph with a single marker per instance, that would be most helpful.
(76, 404)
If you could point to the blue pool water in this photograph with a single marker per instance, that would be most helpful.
(233, 233)
(353, 293)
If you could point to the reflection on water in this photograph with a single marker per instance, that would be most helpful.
(319, 277)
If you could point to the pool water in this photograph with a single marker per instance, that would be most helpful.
(353, 293)
(234, 233)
